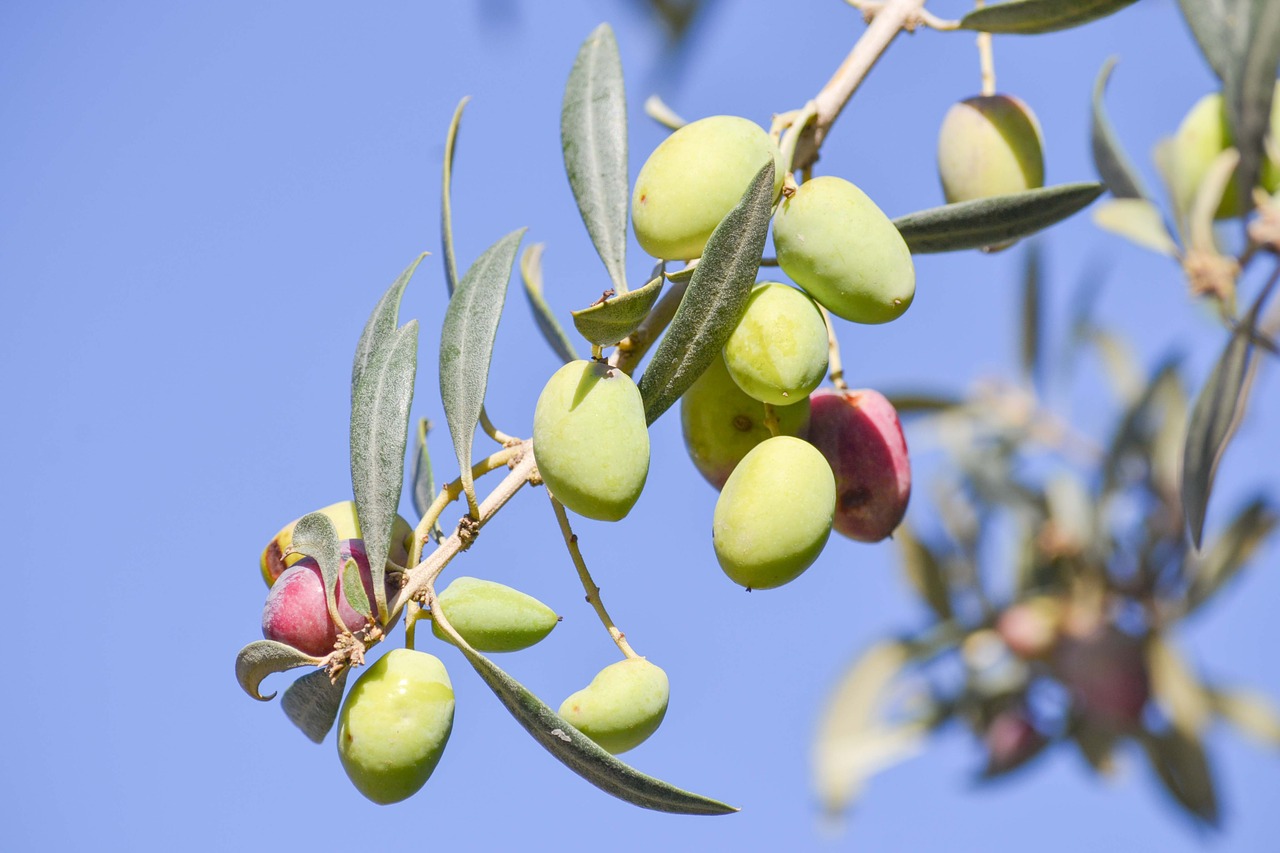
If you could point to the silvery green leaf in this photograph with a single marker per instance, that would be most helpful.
(258, 660)
(1029, 17)
(466, 345)
(312, 702)
(593, 134)
(353, 589)
(715, 301)
(993, 221)
(446, 199)
(379, 433)
(381, 324)
(578, 752)
(552, 332)
(1113, 165)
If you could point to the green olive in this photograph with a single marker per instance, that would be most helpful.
(493, 617)
(622, 706)
(778, 352)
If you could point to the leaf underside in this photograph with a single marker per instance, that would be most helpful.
(1031, 17)
(992, 221)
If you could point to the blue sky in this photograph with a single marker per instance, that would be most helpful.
(202, 202)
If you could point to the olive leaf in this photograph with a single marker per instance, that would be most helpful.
(1251, 713)
(609, 321)
(1109, 158)
(853, 742)
(1029, 339)
(424, 481)
(353, 588)
(1181, 764)
(575, 750)
(379, 432)
(258, 660)
(381, 324)
(1229, 552)
(548, 325)
(593, 134)
(466, 346)
(992, 221)
(923, 571)
(1214, 418)
(312, 702)
(1177, 688)
(1138, 221)
(315, 536)
(715, 301)
(1097, 745)
(1028, 17)
(446, 202)
(921, 402)
(1139, 424)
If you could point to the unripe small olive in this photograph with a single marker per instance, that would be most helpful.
(835, 243)
(778, 352)
(591, 441)
(622, 706)
(695, 177)
(394, 725)
(989, 145)
(493, 617)
(774, 514)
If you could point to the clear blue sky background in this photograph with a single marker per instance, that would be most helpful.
(201, 203)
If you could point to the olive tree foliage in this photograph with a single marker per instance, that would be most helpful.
(1074, 652)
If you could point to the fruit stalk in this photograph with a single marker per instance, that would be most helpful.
(835, 367)
(893, 17)
(589, 585)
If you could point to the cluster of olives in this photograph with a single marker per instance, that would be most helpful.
(395, 722)
(790, 460)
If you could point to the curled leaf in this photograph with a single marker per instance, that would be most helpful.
(311, 703)
(715, 301)
(992, 221)
(1030, 17)
(258, 660)
(608, 322)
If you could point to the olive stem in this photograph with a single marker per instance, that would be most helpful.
(986, 57)
(771, 421)
(890, 19)
(450, 492)
(835, 366)
(589, 585)
(633, 347)
(412, 615)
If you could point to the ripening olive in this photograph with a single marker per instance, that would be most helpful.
(622, 706)
(394, 725)
(989, 145)
(590, 439)
(778, 351)
(774, 514)
(721, 423)
(835, 243)
(695, 177)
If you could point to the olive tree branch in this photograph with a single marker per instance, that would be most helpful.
(593, 591)
(450, 492)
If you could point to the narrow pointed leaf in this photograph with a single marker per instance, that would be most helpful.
(381, 324)
(715, 301)
(1097, 745)
(851, 743)
(1251, 713)
(1220, 28)
(379, 433)
(466, 345)
(608, 322)
(1138, 221)
(919, 402)
(1177, 688)
(1180, 762)
(258, 660)
(1109, 158)
(593, 134)
(1029, 339)
(1028, 17)
(1249, 92)
(446, 200)
(315, 536)
(424, 481)
(312, 702)
(1229, 552)
(552, 332)
(353, 588)
(1213, 422)
(992, 221)
(923, 571)
(578, 752)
